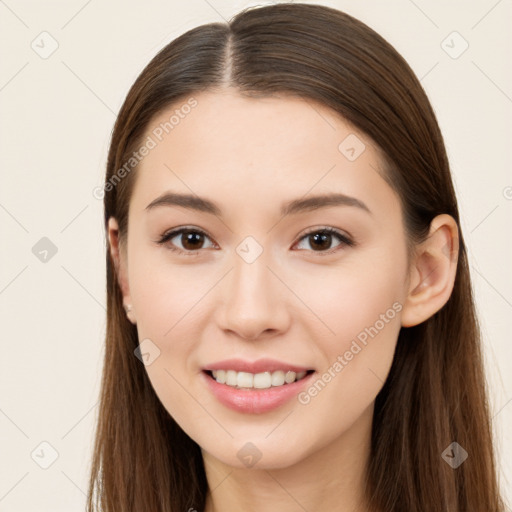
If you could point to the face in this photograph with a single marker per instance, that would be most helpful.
(264, 274)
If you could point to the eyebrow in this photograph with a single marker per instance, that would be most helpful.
(193, 202)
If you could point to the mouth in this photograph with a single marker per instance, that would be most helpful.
(255, 381)
(256, 393)
(257, 386)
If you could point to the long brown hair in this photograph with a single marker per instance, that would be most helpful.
(435, 393)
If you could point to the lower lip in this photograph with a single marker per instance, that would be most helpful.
(255, 401)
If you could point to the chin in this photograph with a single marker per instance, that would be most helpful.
(257, 454)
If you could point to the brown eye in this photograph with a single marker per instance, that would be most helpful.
(185, 240)
(192, 240)
(322, 239)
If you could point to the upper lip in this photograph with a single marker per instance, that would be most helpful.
(259, 366)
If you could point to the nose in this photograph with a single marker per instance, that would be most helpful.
(253, 302)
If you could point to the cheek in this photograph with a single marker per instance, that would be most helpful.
(165, 295)
(360, 312)
(167, 299)
(358, 356)
(347, 387)
(352, 296)
(168, 305)
(165, 323)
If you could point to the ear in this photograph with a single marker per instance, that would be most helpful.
(433, 272)
(119, 259)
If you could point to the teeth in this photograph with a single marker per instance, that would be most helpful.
(277, 378)
(263, 380)
(290, 377)
(231, 378)
(244, 380)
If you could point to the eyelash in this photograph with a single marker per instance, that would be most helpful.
(166, 237)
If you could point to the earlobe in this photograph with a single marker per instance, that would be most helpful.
(433, 272)
(118, 257)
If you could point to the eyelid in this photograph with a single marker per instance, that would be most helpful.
(345, 239)
(170, 234)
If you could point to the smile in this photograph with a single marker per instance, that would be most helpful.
(263, 380)
(250, 399)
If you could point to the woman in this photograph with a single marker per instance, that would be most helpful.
(290, 317)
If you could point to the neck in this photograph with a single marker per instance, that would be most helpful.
(331, 478)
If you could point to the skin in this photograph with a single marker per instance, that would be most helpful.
(292, 303)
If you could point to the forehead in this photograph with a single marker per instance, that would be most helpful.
(254, 152)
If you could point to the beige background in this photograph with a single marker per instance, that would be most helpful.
(57, 114)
